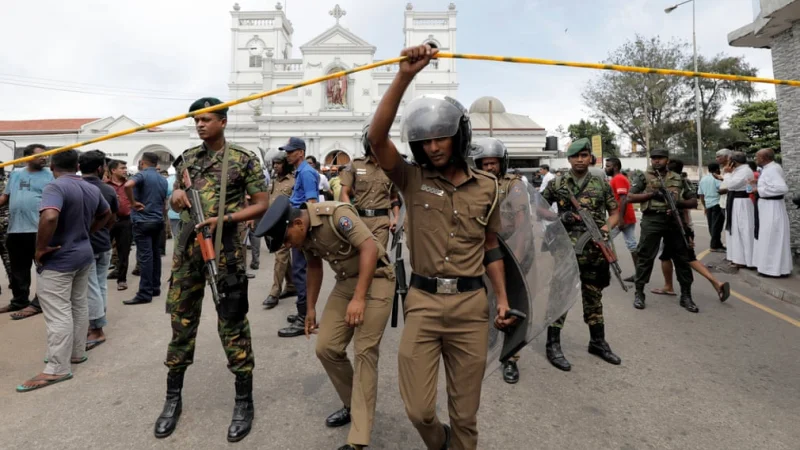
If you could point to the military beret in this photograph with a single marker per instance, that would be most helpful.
(275, 222)
(659, 153)
(578, 146)
(206, 102)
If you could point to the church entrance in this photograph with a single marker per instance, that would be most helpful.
(165, 158)
(337, 158)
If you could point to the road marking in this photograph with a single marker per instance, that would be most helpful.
(754, 303)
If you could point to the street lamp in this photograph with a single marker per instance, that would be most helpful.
(696, 86)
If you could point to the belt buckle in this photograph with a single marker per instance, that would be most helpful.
(369, 213)
(447, 285)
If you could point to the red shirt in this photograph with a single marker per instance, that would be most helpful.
(620, 186)
(124, 203)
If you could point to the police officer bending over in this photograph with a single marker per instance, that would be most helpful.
(357, 309)
(452, 232)
(204, 166)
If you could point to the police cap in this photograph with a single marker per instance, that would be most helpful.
(206, 102)
(275, 222)
(578, 146)
(659, 153)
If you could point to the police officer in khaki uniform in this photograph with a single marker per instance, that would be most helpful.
(491, 155)
(357, 308)
(372, 193)
(282, 184)
(452, 233)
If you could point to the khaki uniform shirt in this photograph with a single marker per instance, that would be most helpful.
(446, 231)
(371, 187)
(335, 234)
(281, 186)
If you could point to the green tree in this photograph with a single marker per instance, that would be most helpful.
(758, 121)
(589, 128)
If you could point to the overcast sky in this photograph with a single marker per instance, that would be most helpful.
(155, 56)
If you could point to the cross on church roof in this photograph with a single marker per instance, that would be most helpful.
(337, 13)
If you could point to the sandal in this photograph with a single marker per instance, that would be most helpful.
(659, 291)
(724, 292)
(24, 313)
(8, 309)
(94, 344)
(43, 382)
(80, 360)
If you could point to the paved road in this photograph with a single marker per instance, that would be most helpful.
(724, 378)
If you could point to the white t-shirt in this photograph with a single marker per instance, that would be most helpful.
(324, 185)
(546, 179)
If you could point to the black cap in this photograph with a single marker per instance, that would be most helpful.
(207, 102)
(275, 222)
(294, 143)
(659, 153)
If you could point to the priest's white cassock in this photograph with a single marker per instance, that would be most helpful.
(772, 253)
(741, 220)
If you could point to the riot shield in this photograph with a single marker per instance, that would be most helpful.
(542, 277)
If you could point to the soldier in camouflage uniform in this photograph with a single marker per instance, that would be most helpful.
(372, 193)
(4, 228)
(658, 223)
(282, 184)
(204, 164)
(491, 155)
(595, 196)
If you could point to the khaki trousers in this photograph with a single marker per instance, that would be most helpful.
(379, 226)
(357, 385)
(456, 328)
(282, 270)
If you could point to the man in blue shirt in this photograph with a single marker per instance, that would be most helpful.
(306, 190)
(708, 191)
(174, 216)
(147, 192)
(71, 210)
(23, 194)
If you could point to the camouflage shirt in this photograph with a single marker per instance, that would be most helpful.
(674, 183)
(596, 197)
(245, 177)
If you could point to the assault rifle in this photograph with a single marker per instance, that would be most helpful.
(594, 234)
(204, 238)
(676, 213)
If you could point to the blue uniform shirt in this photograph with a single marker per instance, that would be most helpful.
(306, 185)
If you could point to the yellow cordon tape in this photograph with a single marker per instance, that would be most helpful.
(511, 59)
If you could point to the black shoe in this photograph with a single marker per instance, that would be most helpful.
(339, 418)
(447, 436)
(599, 347)
(243, 410)
(136, 301)
(254, 265)
(136, 272)
(347, 447)
(553, 350)
(297, 328)
(291, 318)
(166, 422)
(287, 294)
(113, 275)
(270, 302)
(510, 372)
(629, 279)
(156, 293)
(688, 304)
(638, 300)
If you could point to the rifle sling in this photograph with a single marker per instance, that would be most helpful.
(223, 192)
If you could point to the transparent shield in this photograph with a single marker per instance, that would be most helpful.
(542, 277)
(430, 118)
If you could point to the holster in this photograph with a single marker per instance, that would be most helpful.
(232, 285)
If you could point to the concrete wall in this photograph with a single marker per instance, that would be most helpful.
(786, 65)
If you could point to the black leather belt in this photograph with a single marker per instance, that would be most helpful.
(653, 212)
(774, 197)
(739, 194)
(373, 212)
(446, 285)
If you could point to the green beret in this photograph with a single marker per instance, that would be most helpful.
(206, 102)
(578, 146)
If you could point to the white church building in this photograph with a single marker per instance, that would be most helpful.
(329, 116)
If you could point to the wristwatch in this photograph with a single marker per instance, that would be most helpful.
(230, 217)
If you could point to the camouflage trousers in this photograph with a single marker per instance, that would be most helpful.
(4, 251)
(592, 297)
(595, 276)
(184, 305)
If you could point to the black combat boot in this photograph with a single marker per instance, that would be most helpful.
(598, 345)
(166, 422)
(638, 299)
(553, 350)
(243, 410)
(687, 302)
(510, 371)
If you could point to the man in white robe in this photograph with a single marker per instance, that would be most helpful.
(724, 160)
(772, 254)
(741, 219)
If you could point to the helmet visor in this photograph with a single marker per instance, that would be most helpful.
(430, 118)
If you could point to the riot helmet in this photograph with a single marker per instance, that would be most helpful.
(364, 140)
(489, 147)
(435, 117)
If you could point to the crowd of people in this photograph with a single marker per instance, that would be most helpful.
(78, 219)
